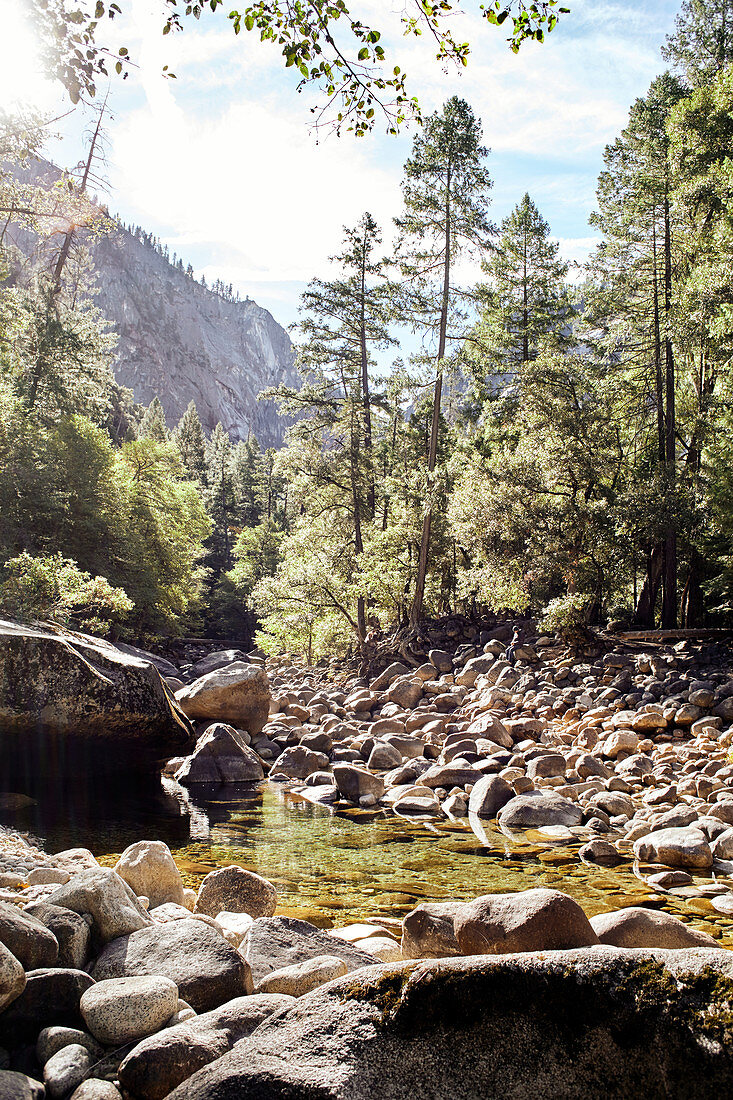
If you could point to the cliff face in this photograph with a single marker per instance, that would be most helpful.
(180, 341)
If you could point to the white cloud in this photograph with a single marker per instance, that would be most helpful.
(222, 165)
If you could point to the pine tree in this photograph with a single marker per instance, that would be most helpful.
(445, 195)
(636, 264)
(527, 298)
(702, 43)
(153, 424)
(220, 495)
(191, 442)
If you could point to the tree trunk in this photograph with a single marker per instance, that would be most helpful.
(368, 456)
(644, 611)
(68, 238)
(669, 580)
(693, 600)
(422, 566)
(525, 302)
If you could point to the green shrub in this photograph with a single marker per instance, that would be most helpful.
(55, 588)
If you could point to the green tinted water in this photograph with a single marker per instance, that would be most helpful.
(337, 868)
(333, 868)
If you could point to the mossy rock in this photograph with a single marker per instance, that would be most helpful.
(593, 1022)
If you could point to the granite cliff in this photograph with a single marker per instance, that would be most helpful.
(179, 340)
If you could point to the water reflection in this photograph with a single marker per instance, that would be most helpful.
(335, 867)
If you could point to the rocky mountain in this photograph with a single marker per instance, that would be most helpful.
(179, 340)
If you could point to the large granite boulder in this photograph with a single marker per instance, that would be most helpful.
(221, 756)
(206, 969)
(528, 920)
(238, 693)
(538, 808)
(273, 943)
(156, 1065)
(595, 1022)
(72, 705)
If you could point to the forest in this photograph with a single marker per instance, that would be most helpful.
(480, 426)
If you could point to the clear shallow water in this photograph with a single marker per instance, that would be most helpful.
(334, 868)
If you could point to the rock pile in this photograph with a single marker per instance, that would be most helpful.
(107, 992)
(627, 755)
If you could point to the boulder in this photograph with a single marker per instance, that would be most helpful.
(537, 808)
(548, 764)
(597, 1022)
(72, 932)
(489, 795)
(150, 870)
(428, 932)
(12, 977)
(530, 920)
(71, 704)
(236, 890)
(353, 783)
(157, 1064)
(384, 756)
(95, 1089)
(206, 969)
(221, 756)
(601, 852)
(303, 977)
(276, 942)
(685, 847)
(298, 762)
(391, 672)
(455, 774)
(52, 1039)
(16, 1086)
(492, 728)
(637, 927)
(33, 944)
(120, 1010)
(238, 694)
(65, 1070)
(51, 997)
(219, 659)
(112, 905)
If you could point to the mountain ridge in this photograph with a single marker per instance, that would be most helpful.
(179, 340)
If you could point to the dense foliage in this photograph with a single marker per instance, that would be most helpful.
(556, 446)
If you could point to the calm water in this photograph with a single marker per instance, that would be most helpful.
(333, 868)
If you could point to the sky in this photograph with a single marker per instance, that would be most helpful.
(222, 164)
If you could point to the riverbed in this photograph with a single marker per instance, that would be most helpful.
(335, 868)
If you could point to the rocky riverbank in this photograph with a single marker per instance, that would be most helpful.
(121, 982)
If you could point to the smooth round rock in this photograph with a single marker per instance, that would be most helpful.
(119, 1010)
(236, 890)
(94, 1089)
(302, 978)
(149, 868)
(53, 1039)
(12, 977)
(65, 1070)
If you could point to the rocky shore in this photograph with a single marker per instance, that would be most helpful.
(122, 983)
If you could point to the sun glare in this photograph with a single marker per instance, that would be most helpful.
(22, 80)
